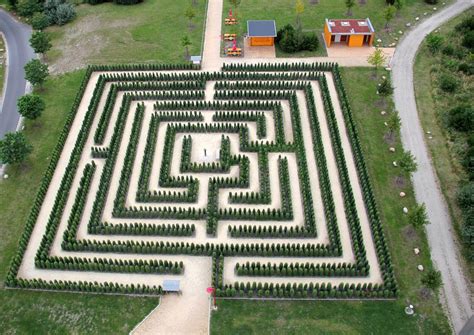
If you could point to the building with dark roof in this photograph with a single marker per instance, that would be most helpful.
(353, 33)
(261, 32)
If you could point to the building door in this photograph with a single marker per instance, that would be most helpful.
(366, 39)
(337, 39)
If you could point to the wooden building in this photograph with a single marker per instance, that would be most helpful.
(353, 33)
(261, 32)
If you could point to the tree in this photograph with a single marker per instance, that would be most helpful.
(40, 42)
(235, 4)
(39, 21)
(14, 148)
(432, 279)
(190, 15)
(30, 106)
(417, 216)
(394, 122)
(28, 7)
(349, 4)
(299, 9)
(408, 163)
(186, 42)
(377, 58)
(434, 42)
(36, 72)
(388, 14)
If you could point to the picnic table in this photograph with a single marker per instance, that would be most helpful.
(230, 21)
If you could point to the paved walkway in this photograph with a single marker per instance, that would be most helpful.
(19, 53)
(441, 236)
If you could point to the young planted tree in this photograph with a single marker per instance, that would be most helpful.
(235, 4)
(349, 4)
(40, 42)
(377, 59)
(186, 42)
(36, 72)
(388, 15)
(14, 148)
(432, 279)
(190, 14)
(299, 9)
(30, 106)
(393, 123)
(408, 163)
(385, 88)
(417, 216)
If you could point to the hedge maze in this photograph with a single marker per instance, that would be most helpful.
(258, 167)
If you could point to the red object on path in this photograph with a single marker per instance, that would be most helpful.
(230, 12)
(212, 291)
(234, 45)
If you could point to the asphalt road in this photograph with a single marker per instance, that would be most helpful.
(19, 52)
(441, 236)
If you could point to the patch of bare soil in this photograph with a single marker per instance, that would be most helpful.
(389, 138)
(410, 233)
(81, 41)
(399, 182)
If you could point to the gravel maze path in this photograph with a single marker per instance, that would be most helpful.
(441, 236)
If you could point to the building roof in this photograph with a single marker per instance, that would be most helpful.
(171, 285)
(353, 26)
(261, 28)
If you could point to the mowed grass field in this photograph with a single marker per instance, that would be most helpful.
(357, 317)
(149, 32)
(28, 312)
(314, 15)
(445, 146)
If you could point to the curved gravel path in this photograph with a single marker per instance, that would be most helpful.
(441, 237)
(19, 53)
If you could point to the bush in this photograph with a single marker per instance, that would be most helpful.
(465, 196)
(466, 68)
(468, 160)
(448, 50)
(434, 42)
(448, 83)
(59, 12)
(468, 40)
(466, 25)
(291, 40)
(28, 7)
(461, 118)
(39, 21)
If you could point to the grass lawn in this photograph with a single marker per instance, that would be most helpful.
(445, 146)
(149, 32)
(363, 317)
(46, 312)
(283, 12)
